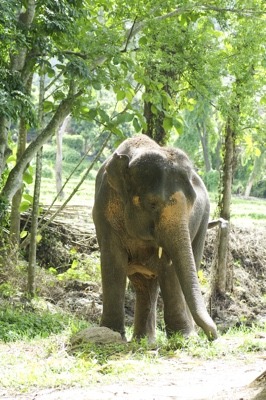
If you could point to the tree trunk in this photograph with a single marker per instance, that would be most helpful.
(59, 157)
(4, 149)
(220, 282)
(17, 63)
(254, 173)
(16, 201)
(203, 134)
(154, 122)
(34, 225)
(36, 195)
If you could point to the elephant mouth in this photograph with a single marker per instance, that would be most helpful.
(137, 268)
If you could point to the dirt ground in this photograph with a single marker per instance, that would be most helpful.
(179, 379)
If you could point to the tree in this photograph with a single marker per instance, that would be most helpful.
(256, 172)
(168, 56)
(246, 49)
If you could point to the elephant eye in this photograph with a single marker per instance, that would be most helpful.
(136, 200)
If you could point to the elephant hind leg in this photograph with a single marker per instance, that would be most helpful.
(145, 307)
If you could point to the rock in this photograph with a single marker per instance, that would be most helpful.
(98, 335)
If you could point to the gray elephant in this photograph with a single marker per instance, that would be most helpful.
(151, 213)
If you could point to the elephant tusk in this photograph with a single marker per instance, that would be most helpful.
(160, 252)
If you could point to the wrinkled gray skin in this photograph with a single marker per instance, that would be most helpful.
(151, 214)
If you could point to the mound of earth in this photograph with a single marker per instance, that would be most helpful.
(245, 304)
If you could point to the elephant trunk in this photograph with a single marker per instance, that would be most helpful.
(177, 243)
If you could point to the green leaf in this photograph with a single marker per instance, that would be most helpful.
(143, 41)
(92, 114)
(136, 124)
(167, 123)
(130, 94)
(28, 197)
(116, 60)
(96, 85)
(23, 234)
(59, 95)
(178, 124)
(27, 177)
(48, 106)
(117, 131)
(120, 95)
(11, 158)
(124, 117)
(104, 116)
(74, 264)
(154, 110)
(24, 206)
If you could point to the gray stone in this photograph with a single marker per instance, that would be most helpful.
(99, 335)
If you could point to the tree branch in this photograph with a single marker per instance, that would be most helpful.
(15, 176)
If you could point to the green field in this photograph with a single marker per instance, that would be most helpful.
(243, 211)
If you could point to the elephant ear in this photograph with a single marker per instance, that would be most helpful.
(117, 169)
(187, 184)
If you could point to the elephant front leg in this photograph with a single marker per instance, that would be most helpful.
(177, 316)
(145, 308)
(113, 270)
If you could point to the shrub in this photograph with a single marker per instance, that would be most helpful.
(70, 155)
(47, 172)
(75, 142)
(211, 180)
(49, 153)
(259, 189)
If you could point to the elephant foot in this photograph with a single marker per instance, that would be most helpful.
(186, 332)
(151, 339)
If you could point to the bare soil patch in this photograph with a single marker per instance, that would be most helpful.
(179, 379)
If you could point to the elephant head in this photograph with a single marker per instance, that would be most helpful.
(164, 204)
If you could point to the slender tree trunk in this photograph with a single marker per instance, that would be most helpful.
(16, 201)
(36, 196)
(4, 149)
(254, 174)
(203, 134)
(34, 225)
(59, 157)
(220, 281)
(17, 63)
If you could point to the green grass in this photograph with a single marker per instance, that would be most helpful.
(243, 210)
(84, 195)
(19, 323)
(35, 351)
(249, 208)
(253, 209)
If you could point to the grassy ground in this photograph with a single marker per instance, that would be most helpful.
(46, 360)
(253, 209)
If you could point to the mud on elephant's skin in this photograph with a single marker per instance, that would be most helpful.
(151, 214)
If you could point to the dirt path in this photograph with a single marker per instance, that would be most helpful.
(180, 379)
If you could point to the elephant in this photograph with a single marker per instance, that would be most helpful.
(151, 213)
